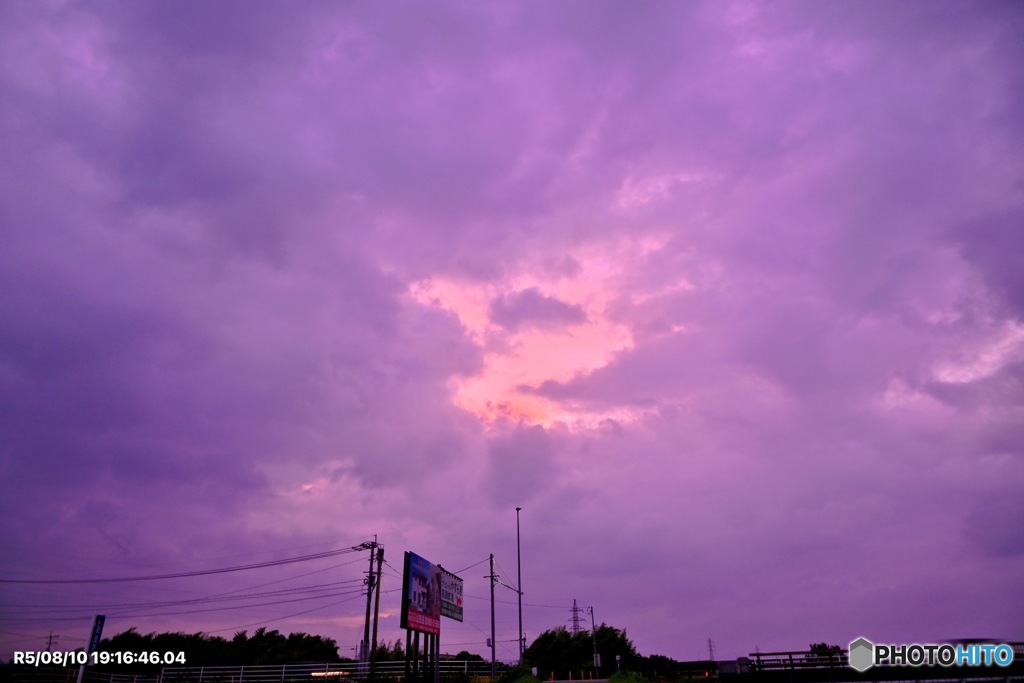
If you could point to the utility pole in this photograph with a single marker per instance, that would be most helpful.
(364, 658)
(376, 610)
(494, 661)
(519, 587)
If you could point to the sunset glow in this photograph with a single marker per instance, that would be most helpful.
(519, 359)
(725, 297)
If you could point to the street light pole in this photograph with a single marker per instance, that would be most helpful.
(494, 665)
(519, 585)
(593, 634)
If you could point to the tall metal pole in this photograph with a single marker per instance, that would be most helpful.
(437, 658)
(519, 585)
(593, 633)
(408, 652)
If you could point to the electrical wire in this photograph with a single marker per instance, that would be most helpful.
(134, 614)
(226, 597)
(473, 565)
(204, 572)
(525, 604)
(287, 616)
(236, 600)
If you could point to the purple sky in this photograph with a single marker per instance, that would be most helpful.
(727, 296)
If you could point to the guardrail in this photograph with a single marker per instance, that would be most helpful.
(69, 674)
(311, 673)
(772, 661)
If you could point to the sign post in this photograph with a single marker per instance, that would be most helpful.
(94, 642)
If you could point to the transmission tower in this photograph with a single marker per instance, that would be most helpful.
(575, 617)
(711, 650)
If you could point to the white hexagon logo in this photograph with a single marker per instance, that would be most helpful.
(862, 654)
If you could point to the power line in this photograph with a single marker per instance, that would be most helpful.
(472, 565)
(288, 616)
(236, 608)
(238, 600)
(225, 597)
(204, 572)
(510, 602)
(42, 615)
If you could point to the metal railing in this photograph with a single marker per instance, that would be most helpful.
(271, 673)
(767, 661)
(291, 673)
(67, 674)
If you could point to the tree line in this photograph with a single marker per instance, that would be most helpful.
(262, 647)
(560, 652)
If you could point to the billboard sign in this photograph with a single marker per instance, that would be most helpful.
(451, 595)
(421, 595)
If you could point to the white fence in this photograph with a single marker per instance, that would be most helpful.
(275, 673)
(310, 673)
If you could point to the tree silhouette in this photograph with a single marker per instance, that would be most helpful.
(263, 647)
(559, 652)
(824, 648)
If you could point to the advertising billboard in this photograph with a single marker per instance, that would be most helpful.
(451, 595)
(421, 595)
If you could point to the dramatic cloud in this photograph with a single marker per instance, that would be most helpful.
(727, 297)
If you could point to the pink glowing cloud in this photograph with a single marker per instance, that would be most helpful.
(707, 289)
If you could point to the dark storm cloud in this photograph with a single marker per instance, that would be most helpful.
(530, 308)
(987, 527)
(522, 465)
(995, 245)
